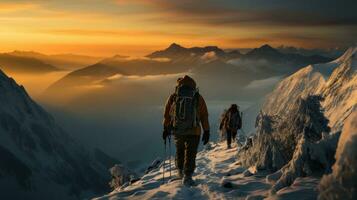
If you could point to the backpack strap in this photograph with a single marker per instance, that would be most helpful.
(196, 118)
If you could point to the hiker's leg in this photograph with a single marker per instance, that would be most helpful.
(180, 152)
(229, 138)
(191, 144)
(234, 135)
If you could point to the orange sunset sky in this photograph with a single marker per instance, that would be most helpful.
(137, 27)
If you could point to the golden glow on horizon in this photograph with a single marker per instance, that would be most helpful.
(110, 27)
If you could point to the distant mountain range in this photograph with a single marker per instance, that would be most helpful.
(269, 53)
(34, 62)
(330, 53)
(63, 61)
(14, 63)
(178, 53)
(209, 60)
(177, 57)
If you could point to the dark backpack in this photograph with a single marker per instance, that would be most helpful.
(185, 108)
(234, 120)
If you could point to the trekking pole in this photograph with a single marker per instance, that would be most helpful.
(170, 155)
(164, 162)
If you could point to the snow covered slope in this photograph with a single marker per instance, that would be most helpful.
(38, 159)
(218, 176)
(335, 81)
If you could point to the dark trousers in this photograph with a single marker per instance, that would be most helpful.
(186, 150)
(231, 134)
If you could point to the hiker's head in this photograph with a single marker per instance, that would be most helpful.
(234, 107)
(187, 81)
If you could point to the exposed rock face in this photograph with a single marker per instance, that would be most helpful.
(342, 184)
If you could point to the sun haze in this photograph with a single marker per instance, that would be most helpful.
(137, 27)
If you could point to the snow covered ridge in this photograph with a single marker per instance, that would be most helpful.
(335, 81)
(38, 159)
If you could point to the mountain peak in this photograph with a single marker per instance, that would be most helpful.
(265, 50)
(175, 46)
(267, 47)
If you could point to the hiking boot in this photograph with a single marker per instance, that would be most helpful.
(187, 181)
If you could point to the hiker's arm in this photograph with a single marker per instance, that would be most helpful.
(223, 120)
(203, 112)
(167, 116)
(240, 122)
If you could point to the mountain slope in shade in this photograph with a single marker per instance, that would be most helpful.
(335, 81)
(39, 160)
(15, 63)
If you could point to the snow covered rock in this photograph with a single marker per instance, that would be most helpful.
(342, 184)
(155, 164)
(277, 138)
(226, 183)
(38, 159)
(335, 81)
(309, 158)
(121, 176)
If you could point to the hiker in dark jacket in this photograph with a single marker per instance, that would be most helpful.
(185, 113)
(231, 122)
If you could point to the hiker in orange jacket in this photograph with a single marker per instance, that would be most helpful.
(185, 116)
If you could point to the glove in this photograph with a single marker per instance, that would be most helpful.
(165, 133)
(205, 137)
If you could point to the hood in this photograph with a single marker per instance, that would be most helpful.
(186, 80)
